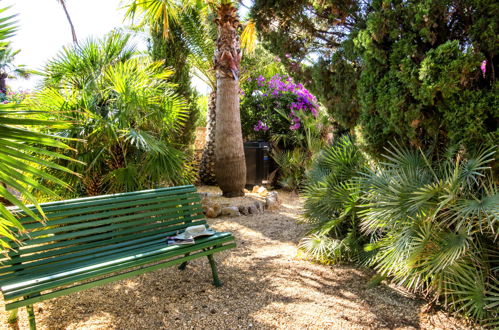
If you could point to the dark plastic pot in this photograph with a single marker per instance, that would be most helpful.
(258, 162)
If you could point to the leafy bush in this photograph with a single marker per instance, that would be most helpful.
(435, 226)
(332, 202)
(124, 109)
(275, 108)
(285, 113)
(431, 226)
(425, 73)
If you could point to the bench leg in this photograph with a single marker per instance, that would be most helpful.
(12, 317)
(184, 264)
(216, 280)
(31, 317)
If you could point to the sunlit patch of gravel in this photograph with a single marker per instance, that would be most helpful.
(265, 286)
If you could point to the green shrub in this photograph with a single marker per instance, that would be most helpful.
(434, 228)
(125, 112)
(332, 201)
(431, 226)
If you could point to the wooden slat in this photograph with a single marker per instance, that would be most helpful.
(76, 223)
(98, 262)
(72, 231)
(103, 199)
(65, 217)
(114, 278)
(79, 250)
(128, 231)
(13, 291)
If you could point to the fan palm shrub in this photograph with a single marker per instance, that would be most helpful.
(332, 201)
(124, 109)
(434, 228)
(428, 224)
(24, 157)
(8, 69)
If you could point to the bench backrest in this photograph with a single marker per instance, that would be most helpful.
(86, 226)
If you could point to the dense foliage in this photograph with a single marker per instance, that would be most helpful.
(23, 153)
(285, 113)
(275, 107)
(174, 51)
(333, 198)
(431, 226)
(421, 72)
(125, 113)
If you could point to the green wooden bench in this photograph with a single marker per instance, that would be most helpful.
(92, 241)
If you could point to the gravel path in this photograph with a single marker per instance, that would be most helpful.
(266, 286)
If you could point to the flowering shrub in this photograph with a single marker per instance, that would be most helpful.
(275, 106)
(12, 97)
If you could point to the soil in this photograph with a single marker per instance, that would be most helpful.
(265, 286)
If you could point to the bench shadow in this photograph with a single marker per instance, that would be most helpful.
(259, 291)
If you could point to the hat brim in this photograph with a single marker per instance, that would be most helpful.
(207, 232)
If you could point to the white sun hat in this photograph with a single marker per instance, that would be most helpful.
(195, 231)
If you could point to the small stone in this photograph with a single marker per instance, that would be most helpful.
(259, 207)
(232, 211)
(212, 211)
(252, 209)
(272, 201)
(262, 191)
(213, 311)
(243, 210)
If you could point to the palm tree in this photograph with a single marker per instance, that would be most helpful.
(73, 32)
(7, 67)
(230, 163)
(24, 155)
(126, 111)
(230, 166)
(200, 33)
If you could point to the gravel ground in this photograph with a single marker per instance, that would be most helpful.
(265, 286)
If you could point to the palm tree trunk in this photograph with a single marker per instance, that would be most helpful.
(230, 165)
(3, 82)
(207, 165)
(73, 32)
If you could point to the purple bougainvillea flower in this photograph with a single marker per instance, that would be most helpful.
(287, 56)
(484, 67)
(260, 126)
(295, 126)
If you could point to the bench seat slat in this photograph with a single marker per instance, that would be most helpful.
(121, 276)
(13, 291)
(109, 217)
(105, 199)
(83, 243)
(68, 216)
(109, 248)
(140, 218)
(45, 265)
